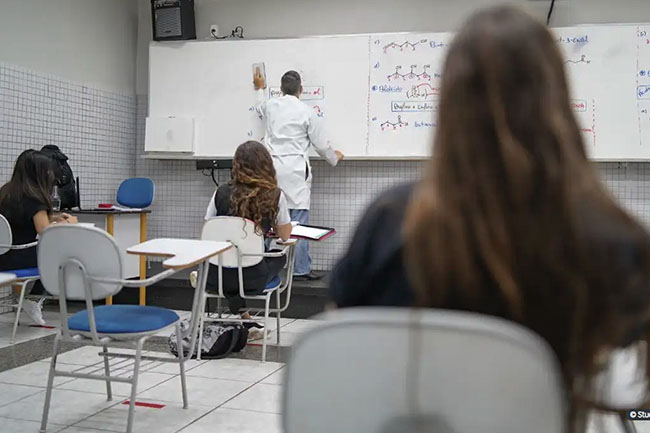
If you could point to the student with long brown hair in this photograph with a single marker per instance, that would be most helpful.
(253, 194)
(510, 218)
(25, 203)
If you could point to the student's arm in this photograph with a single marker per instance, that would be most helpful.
(283, 231)
(63, 217)
(42, 220)
(283, 225)
(319, 142)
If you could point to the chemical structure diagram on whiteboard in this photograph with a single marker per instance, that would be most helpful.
(405, 76)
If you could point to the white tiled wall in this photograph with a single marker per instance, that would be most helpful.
(94, 128)
(339, 195)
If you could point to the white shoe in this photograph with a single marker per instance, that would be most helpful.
(34, 310)
(255, 334)
(193, 276)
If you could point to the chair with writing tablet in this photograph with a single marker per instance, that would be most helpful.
(248, 250)
(26, 277)
(390, 370)
(73, 271)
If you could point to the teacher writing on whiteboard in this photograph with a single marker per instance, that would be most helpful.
(291, 127)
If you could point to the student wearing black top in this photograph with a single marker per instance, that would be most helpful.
(510, 218)
(25, 203)
(253, 194)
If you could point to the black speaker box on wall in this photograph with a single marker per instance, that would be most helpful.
(173, 20)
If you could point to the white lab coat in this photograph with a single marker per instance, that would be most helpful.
(291, 126)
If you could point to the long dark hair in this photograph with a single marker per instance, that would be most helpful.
(255, 187)
(32, 177)
(511, 218)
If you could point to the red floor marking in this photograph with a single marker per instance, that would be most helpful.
(151, 405)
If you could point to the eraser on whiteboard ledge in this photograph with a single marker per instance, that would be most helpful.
(104, 205)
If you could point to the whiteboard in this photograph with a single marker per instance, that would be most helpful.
(377, 95)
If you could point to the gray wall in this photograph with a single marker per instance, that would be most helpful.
(91, 42)
(67, 77)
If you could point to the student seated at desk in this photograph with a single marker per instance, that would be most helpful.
(25, 202)
(510, 218)
(253, 194)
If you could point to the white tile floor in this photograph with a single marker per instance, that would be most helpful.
(26, 329)
(226, 392)
(228, 395)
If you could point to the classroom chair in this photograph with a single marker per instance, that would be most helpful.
(413, 370)
(136, 192)
(248, 250)
(72, 270)
(26, 277)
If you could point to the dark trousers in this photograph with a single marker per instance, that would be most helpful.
(255, 280)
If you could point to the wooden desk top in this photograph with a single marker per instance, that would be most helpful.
(182, 253)
(106, 211)
(7, 278)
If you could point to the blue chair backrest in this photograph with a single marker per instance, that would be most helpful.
(136, 192)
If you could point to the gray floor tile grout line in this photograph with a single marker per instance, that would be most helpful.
(121, 401)
(27, 396)
(253, 410)
(228, 400)
(150, 366)
(173, 376)
(104, 392)
(69, 390)
(62, 426)
(57, 387)
(36, 386)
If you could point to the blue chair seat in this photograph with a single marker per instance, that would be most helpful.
(273, 284)
(24, 273)
(136, 192)
(124, 319)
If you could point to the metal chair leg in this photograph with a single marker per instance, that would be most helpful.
(179, 342)
(628, 425)
(266, 319)
(21, 298)
(50, 382)
(201, 313)
(107, 372)
(134, 385)
(277, 316)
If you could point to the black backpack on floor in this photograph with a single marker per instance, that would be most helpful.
(219, 339)
(63, 176)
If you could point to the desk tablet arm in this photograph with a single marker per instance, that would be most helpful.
(136, 283)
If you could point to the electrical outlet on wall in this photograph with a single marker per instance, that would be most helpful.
(214, 30)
